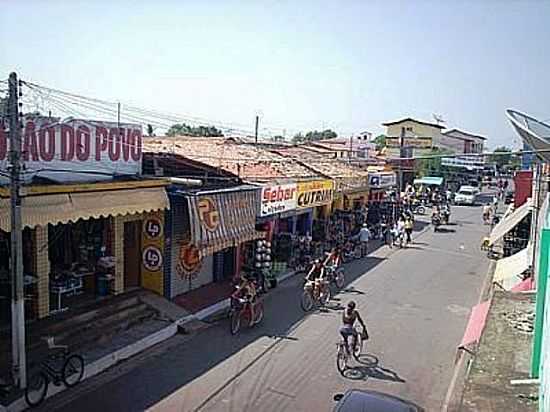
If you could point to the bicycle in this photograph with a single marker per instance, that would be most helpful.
(59, 367)
(240, 309)
(343, 355)
(315, 292)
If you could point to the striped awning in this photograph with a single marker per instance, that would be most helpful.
(41, 210)
(508, 270)
(224, 219)
(510, 222)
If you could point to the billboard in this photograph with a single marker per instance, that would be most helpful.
(75, 150)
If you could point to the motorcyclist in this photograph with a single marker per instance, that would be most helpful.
(409, 229)
(349, 317)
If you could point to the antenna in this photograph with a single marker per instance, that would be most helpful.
(438, 118)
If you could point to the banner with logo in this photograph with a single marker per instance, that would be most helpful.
(315, 193)
(152, 247)
(278, 199)
(223, 219)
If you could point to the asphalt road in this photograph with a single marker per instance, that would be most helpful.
(416, 302)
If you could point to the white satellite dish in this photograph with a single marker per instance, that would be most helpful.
(438, 118)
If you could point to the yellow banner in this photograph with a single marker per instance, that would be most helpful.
(315, 193)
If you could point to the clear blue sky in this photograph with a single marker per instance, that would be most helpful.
(346, 65)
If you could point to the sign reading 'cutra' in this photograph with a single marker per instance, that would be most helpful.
(316, 193)
(278, 199)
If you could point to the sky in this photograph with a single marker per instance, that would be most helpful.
(300, 65)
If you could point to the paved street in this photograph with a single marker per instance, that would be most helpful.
(416, 302)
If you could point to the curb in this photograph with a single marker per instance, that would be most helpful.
(113, 358)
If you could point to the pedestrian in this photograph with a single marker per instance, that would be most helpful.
(408, 229)
(364, 237)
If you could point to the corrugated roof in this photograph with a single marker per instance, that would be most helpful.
(410, 119)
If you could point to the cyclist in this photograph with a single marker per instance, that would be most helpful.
(349, 317)
(486, 213)
(247, 291)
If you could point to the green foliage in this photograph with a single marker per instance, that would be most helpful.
(432, 166)
(278, 138)
(150, 131)
(182, 129)
(314, 136)
(380, 141)
(3, 107)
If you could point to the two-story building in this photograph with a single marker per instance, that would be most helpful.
(464, 142)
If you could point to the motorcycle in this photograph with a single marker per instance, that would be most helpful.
(351, 251)
(335, 274)
(399, 238)
(436, 222)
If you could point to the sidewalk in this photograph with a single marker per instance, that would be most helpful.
(100, 356)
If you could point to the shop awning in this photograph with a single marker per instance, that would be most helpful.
(223, 219)
(429, 180)
(525, 285)
(476, 323)
(505, 225)
(509, 269)
(70, 207)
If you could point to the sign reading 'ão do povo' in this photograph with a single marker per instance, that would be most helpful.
(278, 199)
(76, 150)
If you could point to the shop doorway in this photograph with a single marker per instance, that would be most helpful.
(132, 255)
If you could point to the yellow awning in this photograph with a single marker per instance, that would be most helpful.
(69, 207)
(510, 222)
(508, 269)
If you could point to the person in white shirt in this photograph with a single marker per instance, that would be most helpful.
(364, 237)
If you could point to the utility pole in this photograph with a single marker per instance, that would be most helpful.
(401, 156)
(19, 367)
(256, 130)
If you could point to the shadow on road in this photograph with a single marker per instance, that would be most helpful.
(370, 368)
(445, 230)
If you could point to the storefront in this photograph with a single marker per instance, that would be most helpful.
(82, 242)
(316, 197)
(209, 232)
(379, 184)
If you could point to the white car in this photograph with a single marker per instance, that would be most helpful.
(466, 195)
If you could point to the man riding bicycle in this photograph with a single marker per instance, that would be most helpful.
(349, 317)
(247, 290)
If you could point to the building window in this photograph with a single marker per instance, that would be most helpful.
(409, 129)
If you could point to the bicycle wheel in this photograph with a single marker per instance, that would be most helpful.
(341, 360)
(73, 370)
(306, 301)
(358, 346)
(324, 296)
(235, 322)
(258, 312)
(37, 388)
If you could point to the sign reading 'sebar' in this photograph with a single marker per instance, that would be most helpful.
(76, 150)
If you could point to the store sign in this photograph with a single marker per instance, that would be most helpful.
(152, 258)
(59, 150)
(209, 214)
(278, 199)
(189, 260)
(381, 180)
(152, 228)
(463, 162)
(416, 142)
(316, 193)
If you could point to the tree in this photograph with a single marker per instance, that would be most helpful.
(313, 136)
(502, 156)
(3, 107)
(278, 138)
(182, 129)
(150, 131)
(432, 166)
(380, 141)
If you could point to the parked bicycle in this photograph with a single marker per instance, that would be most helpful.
(60, 366)
(316, 292)
(343, 355)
